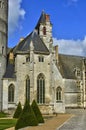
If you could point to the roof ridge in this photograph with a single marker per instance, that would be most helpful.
(72, 55)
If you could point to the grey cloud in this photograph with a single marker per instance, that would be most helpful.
(71, 47)
(16, 12)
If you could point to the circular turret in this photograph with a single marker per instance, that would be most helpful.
(3, 26)
(3, 42)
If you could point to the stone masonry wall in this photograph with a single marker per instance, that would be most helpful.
(23, 69)
(72, 94)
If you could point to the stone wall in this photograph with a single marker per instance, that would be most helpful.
(72, 93)
(6, 84)
(24, 68)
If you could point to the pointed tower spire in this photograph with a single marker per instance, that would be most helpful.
(44, 28)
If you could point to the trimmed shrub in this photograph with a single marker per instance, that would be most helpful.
(18, 111)
(37, 112)
(27, 117)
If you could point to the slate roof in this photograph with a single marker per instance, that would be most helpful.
(24, 45)
(67, 65)
(9, 71)
(8, 50)
(41, 20)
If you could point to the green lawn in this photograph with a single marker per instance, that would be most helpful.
(7, 123)
(2, 114)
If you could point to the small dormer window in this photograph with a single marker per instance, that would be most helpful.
(41, 59)
(77, 72)
(44, 30)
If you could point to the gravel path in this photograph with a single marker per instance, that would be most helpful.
(75, 119)
(50, 124)
(77, 122)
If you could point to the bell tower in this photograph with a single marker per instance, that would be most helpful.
(44, 28)
(3, 41)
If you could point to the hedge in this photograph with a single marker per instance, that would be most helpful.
(27, 117)
(18, 111)
(37, 112)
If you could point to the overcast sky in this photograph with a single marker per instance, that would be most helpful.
(67, 16)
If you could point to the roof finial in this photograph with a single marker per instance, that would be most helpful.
(31, 46)
(34, 32)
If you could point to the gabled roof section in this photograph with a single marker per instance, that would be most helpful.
(24, 45)
(68, 63)
(9, 71)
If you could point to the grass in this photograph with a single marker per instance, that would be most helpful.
(7, 123)
(2, 114)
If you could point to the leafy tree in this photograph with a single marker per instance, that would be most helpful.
(18, 111)
(27, 117)
(37, 112)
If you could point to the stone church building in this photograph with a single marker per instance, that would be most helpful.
(33, 69)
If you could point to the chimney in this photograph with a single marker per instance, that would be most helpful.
(56, 53)
(47, 18)
(21, 39)
(11, 57)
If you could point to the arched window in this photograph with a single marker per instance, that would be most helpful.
(58, 94)
(11, 93)
(41, 89)
(1, 4)
(28, 88)
(44, 30)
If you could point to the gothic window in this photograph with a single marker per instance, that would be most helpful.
(1, 4)
(44, 30)
(2, 50)
(58, 94)
(41, 59)
(41, 89)
(28, 89)
(11, 93)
